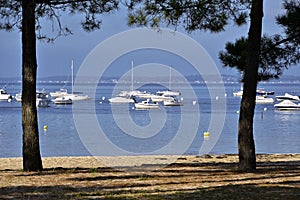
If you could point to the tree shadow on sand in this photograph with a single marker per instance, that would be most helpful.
(278, 180)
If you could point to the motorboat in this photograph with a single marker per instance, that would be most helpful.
(120, 99)
(18, 97)
(42, 99)
(262, 92)
(263, 100)
(288, 96)
(167, 95)
(238, 93)
(135, 93)
(77, 97)
(62, 101)
(173, 102)
(161, 97)
(59, 93)
(287, 105)
(259, 92)
(4, 95)
(147, 104)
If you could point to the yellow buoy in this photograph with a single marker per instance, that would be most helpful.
(206, 134)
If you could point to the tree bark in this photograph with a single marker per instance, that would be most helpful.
(246, 146)
(31, 151)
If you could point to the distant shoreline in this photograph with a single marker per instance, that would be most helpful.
(193, 79)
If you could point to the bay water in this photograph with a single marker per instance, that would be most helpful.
(274, 131)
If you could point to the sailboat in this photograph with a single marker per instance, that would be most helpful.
(168, 97)
(125, 96)
(63, 97)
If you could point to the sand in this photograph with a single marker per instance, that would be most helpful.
(152, 177)
(139, 161)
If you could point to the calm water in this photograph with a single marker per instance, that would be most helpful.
(275, 131)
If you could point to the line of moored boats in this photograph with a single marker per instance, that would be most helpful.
(146, 100)
(284, 102)
(61, 97)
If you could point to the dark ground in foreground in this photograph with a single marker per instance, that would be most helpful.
(191, 177)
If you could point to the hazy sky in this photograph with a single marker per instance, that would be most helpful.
(55, 59)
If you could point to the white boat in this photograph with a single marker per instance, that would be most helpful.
(147, 104)
(77, 97)
(135, 93)
(238, 93)
(60, 93)
(127, 96)
(259, 92)
(18, 97)
(287, 105)
(42, 99)
(167, 95)
(64, 93)
(160, 97)
(262, 92)
(173, 102)
(263, 99)
(119, 99)
(288, 96)
(4, 95)
(62, 101)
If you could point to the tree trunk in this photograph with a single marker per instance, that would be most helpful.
(31, 151)
(246, 146)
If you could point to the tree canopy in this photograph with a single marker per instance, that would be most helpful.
(192, 15)
(52, 11)
(278, 51)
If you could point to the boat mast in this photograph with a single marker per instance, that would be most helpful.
(170, 77)
(72, 69)
(132, 75)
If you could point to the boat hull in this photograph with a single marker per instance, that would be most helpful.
(287, 105)
(42, 103)
(62, 101)
(141, 106)
(263, 100)
(4, 96)
(120, 100)
(146, 105)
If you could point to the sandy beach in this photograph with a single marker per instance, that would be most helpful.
(152, 177)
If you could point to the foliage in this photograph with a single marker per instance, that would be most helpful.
(53, 10)
(277, 52)
(192, 15)
(290, 21)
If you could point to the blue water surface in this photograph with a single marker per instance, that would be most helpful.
(274, 131)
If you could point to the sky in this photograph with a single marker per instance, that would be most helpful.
(54, 59)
